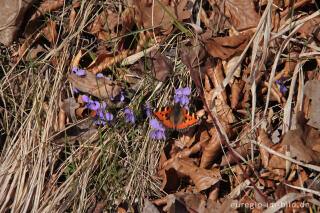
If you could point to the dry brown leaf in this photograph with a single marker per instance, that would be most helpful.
(290, 6)
(99, 206)
(149, 207)
(264, 139)
(170, 180)
(202, 178)
(225, 47)
(195, 52)
(73, 14)
(77, 59)
(99, 87)
(35, 52)
(288, 69)
(69, 106)
(105, 31)
(47, 7)
(312, 89)
(106, 60)
(81, 132)
(241, 14)
(24, 47)
(50, 32)
(11, 17)
(300, 142)
(228, 158)
(210, 151)
(186, 139)
(236, 89)
(298, 148)
(216, 75)
(144, 11)
(193, 202)
(159, 66)
(276, 162)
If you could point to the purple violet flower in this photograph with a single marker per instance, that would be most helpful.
(75, 90)
(183, 91)
(102, 117)
(148, 111)
(74, 69)
(85, 98)
(181, 96)
(281, 87)
(78, 72)
(129, 115)
(100, 75)
(158, 131)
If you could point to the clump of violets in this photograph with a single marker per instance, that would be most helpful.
(281, 87)
(78, 72)
(129, 115)
(158, 132)
(101, 116)
(182, 96)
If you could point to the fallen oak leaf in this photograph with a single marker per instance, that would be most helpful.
(99, 87)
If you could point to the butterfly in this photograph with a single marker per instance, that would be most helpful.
(176, 118)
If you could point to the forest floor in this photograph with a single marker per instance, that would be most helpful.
(160, 106)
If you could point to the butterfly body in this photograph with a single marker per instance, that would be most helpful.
(176, 118)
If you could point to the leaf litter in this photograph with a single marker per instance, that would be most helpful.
(81, 81)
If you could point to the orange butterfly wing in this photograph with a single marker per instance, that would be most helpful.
(189, 121)
(162, 115)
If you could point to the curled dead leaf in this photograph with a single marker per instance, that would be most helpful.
(202, 178)
(106, 60)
